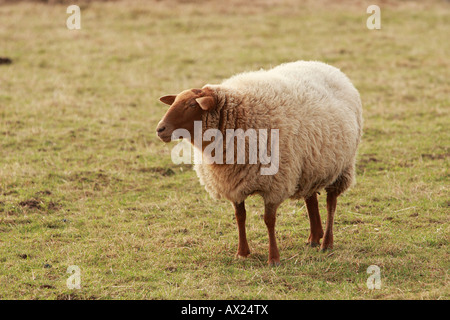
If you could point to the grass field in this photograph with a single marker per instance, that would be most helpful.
(84, 180)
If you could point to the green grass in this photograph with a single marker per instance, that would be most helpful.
(84, 180)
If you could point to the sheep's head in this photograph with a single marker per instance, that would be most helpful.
(185, 108)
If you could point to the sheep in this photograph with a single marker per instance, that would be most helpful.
(318, 114)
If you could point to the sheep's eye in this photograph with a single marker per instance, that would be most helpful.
(193, 105)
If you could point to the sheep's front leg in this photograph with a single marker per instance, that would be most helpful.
(331, 209)
(312, 206)
(270, 213)
(240, 213)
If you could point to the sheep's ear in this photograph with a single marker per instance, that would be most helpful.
(169, 99)
(206, 103)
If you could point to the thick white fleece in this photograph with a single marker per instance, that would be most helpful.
(319, 116)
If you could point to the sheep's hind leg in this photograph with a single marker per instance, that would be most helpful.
(341, 184)
(270, 212)
(240, 213)
(316, 232)
(331, 209)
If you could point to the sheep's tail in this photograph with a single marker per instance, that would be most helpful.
(344, 181)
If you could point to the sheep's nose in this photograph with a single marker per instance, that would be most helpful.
(160, 129)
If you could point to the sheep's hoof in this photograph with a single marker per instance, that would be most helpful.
(274, 263)
(326, 249)
(242, 256)
(313, 244)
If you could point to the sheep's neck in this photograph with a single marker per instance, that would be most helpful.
(229, 114)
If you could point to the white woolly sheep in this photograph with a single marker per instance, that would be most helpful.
(318, 113)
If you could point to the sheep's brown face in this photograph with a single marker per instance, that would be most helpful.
(185, 108)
